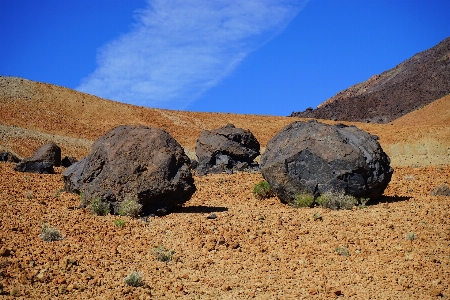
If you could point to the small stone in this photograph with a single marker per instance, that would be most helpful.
(436, 292)
(211, 245)
(221, 241)
(15, 291)
(235, 245)
(312, 291)
(41, 276)
(5, 252)
(62, 289)
(212, 216)
(59, 280)
(226, 287)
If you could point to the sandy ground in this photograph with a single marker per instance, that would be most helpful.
(259, 249)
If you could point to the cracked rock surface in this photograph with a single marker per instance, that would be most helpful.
(313, 157)
(226, 149)
(134, 162)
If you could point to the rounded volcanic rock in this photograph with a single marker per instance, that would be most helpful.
(226, 149)
(43, 160)
(316, 158)
(134, 162)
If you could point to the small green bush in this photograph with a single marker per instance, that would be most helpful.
(98, 207)
(120, 222)
(303, 200)
(83, 201)
(411, 236)
(162, 254)
(129, 207)
(336, 200)
(317, 216)
(342, 250)
(363, 202)
(323, 200)
(50, 234)
(262, 190)
(29, 195)
(133, 279)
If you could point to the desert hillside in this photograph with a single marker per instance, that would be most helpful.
(395, 247)
(384, 97)
(34, 113)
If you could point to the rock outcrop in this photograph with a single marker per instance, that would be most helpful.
(384, 97)
(134, 162)
(43, 160)
(226, 149)
(312, 157)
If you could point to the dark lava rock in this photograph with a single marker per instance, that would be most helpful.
(226, 149)
(67, 161)
(8, 157)
(442, 190)
(43, 160)
(312, 157)
(134, 162)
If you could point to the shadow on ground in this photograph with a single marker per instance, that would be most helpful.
(389, 199)
(200, 209)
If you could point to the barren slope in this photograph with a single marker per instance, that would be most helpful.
(34, 113)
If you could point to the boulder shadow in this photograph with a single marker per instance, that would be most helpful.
(388, 199)
(200, 209)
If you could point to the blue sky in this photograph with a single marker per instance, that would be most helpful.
(267, 57)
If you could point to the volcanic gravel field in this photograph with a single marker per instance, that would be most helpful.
(260, 249)
(395, 248)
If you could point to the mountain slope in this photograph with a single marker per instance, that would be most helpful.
(412, 84)
(33, 113)
(44, 108)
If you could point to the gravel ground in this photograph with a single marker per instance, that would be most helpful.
(253, 249)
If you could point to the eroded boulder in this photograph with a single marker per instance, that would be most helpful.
(226, 149)
(134, 162)
(43, 160)
(316, 158)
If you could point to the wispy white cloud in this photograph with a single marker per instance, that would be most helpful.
(180, 48)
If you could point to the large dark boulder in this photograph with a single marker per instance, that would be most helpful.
(134, 162)
(226, 149)
(43, 160)
(8, 157)
(312, 157)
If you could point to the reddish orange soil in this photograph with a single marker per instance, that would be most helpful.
(34, 113)
(259, 249)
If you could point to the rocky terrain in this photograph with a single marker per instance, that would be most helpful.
(384, 97)
(226, 243)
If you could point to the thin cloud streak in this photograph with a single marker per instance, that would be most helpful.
(178, 49)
